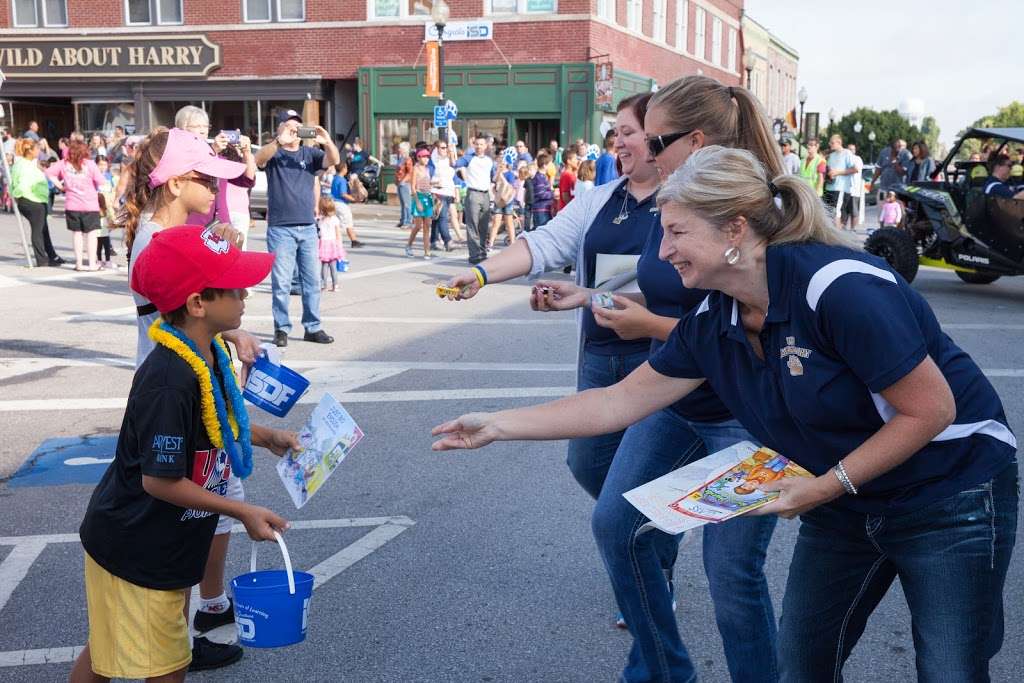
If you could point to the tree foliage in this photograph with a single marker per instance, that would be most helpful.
(887, 126)
(1009, 116)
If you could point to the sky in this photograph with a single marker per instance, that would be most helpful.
(960, 58)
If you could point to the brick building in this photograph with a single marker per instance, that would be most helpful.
(355, 67)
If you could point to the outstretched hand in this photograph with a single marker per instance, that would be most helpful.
(467, 283)
(556, 295)
(473, 430)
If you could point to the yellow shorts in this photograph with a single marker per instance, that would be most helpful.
(134, 632)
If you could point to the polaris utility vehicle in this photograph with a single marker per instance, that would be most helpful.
(951, 223)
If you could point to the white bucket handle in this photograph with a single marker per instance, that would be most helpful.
(287, 561)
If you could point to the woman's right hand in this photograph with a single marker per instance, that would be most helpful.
(555, 295)
(467, 283)
(474, 430)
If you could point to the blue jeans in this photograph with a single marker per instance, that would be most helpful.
(405, 201)
(951, 558)
(590, 457)
(440, 224)
(295, 246)
(539, 218)
(637, 565)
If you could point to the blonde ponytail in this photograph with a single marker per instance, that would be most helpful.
(722, 184)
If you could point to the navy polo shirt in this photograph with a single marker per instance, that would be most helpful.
(841, 328)
(998, 188)
(290, 177)
(666, 295)
(605, 240)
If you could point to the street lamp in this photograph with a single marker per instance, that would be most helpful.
(802, 96)
(871, 138)
(748, 63)
(831, 118)
(439, 13)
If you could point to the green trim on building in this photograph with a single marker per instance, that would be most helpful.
(562, 92)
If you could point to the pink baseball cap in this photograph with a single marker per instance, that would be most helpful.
(186, 152)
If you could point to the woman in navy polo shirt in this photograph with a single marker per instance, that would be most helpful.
(827, 356)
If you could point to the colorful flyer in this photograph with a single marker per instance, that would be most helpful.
(736, 492)
(328, 437)
(713, 489)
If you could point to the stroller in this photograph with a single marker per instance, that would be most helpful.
(370, 179)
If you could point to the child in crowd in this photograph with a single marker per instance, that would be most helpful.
(503, 213)
(891, 211)
(148, 528)
(522, 180)
(332, 249)
(175, 174)
(422, 203)
(108, 217)
(342, 196)
(585, 178)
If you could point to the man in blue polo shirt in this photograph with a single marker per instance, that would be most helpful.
(291, 169)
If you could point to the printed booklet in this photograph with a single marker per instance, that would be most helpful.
(713, 489)
(327, 438)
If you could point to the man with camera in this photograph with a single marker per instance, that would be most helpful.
(291, 169)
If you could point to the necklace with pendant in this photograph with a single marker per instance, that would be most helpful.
(623, 211)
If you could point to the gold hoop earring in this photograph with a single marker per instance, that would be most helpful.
(732, 256)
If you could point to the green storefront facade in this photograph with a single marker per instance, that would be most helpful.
(531, 102)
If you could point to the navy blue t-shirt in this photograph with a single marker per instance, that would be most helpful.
(605, 240)
(290, 177)
(841, 328)
(666, 295)
(998, 188)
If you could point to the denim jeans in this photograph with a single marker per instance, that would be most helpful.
(405, 201)
(951, 558)
(539, 218)
(590, 457)
(440, 224)
(295, 249)
(734, 554)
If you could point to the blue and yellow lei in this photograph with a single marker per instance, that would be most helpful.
(218, 417)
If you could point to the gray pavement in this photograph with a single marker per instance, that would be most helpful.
(496, 578)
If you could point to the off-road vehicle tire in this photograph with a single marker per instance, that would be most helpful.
(977, 278)
(897, 248)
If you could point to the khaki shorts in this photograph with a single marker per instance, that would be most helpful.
(134, 632)
(344, 212)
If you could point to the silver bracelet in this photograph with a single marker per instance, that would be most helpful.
(841, 475)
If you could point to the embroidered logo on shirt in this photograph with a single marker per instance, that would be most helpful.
(794, 354)
(167, 448)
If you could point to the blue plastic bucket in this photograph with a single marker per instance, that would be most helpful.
(341, 265)
(274, 388)
(271, 606)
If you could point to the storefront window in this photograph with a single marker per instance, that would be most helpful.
(496, 128)
(521, 6)
(392, 132)
(102, 117)
(241, 115)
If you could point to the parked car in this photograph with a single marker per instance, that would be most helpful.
(951, 223)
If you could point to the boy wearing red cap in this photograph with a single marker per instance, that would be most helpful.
(149, 524)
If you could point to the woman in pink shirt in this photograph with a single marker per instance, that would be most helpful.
(79, 179)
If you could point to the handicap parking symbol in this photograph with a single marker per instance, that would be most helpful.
(67, 460)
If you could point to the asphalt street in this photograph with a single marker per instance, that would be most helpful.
(464, 566)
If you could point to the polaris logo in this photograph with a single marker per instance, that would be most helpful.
(268, 388)
(970, 258)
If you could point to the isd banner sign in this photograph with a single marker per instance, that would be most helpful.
(108, 57)
(482, 29)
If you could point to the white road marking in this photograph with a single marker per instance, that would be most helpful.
(54, 404)
(16, 366)
(540, 321)
(75, 462)
(15, 566)
(27, 549)
(6, 281)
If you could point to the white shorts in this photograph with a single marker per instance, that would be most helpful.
(235, 492)
(344, 212)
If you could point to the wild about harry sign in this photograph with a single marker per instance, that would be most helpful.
(105, 56)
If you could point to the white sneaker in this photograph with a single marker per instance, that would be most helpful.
(427, 257)
(408, 252)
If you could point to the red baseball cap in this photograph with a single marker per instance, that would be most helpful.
(187, 259)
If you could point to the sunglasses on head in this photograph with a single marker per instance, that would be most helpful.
(656, 144)
(209, 182)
